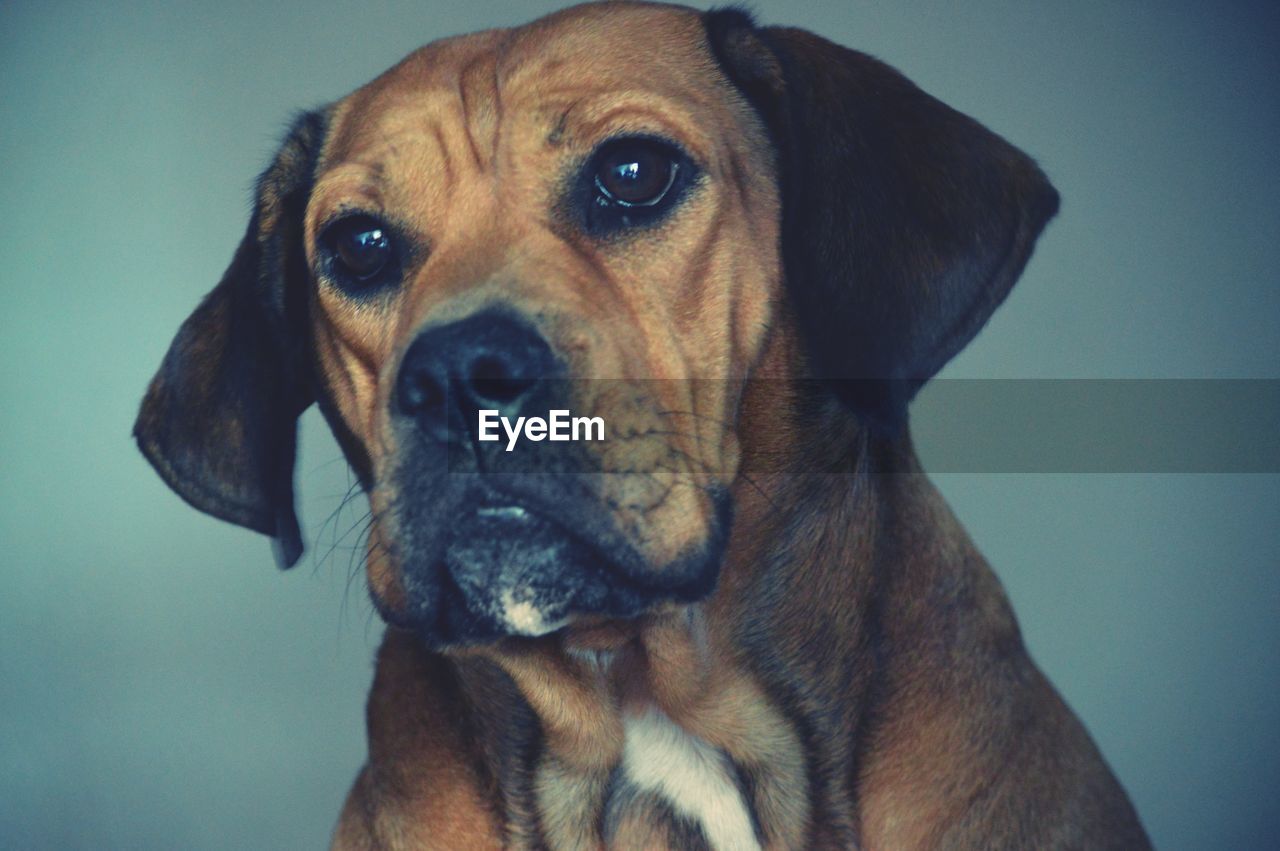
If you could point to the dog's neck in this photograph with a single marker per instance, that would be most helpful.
(770, 686)
(783, 700)
(768, 704)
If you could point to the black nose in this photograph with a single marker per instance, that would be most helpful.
(490, 360)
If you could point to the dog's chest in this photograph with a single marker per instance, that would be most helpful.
(674, 788)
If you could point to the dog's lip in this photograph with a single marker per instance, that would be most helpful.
(513, 512)
(503, 512)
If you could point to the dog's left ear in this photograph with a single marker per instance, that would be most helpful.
(219, 421)
(905, 223)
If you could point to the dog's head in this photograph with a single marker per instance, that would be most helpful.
(614, 212)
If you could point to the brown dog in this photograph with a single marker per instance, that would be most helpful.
(744, 619)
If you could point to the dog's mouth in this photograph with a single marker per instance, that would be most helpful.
(505, 569)
(482, 555)
(479, 564)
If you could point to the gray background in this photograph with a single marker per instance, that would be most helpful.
(162, 685)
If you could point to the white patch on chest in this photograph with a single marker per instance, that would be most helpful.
(695, 778)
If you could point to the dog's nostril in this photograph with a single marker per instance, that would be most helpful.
(493, 379)
(422, 393)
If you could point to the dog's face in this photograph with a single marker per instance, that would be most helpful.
(561, 218)
(591, 214)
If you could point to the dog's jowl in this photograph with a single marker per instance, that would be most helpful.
(736, 615)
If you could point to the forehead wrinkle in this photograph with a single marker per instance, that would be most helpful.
(405, 164)
(446, 161)
(430, 81)
(479, 94)
(374, 135)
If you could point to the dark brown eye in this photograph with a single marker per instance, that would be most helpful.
(361, 247)
(635, 173)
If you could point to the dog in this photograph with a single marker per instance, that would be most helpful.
(744, 619)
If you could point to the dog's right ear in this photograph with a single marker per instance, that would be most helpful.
(219, 421)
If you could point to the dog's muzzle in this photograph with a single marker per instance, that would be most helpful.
(493, 541)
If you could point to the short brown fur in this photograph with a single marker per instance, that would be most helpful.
(857, 661)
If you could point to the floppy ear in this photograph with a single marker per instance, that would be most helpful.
(905, 223)
(219, 421)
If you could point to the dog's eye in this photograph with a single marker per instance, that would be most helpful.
(635, 173)
(362, 246)
(361, 251)
(630, 182)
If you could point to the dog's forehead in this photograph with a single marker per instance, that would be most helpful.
(486, 77)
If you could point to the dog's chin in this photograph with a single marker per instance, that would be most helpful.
(509, 572)
(506, 572)
(480, 566)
